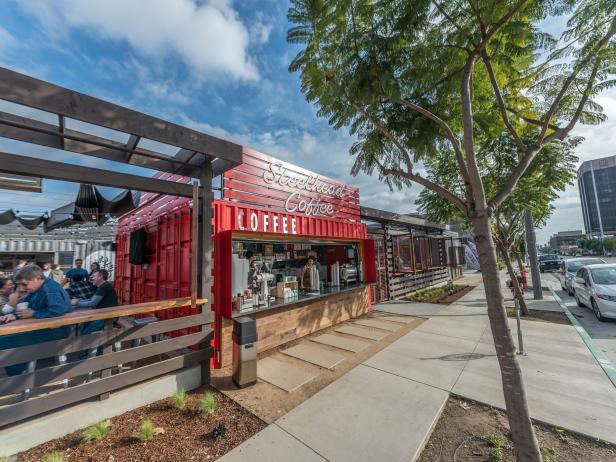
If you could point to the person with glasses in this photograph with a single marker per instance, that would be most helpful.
(45, 299)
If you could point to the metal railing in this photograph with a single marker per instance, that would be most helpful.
(143, 351)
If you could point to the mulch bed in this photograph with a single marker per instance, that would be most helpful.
(466, 428)
(542, 316)
(452, 297)
(445, 298)
(184, 435)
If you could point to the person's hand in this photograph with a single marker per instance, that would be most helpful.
(74, 301)
(7, 318)
(14, 298)
(25, 313)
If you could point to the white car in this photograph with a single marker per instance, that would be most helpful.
(571, 266)
(595, 287)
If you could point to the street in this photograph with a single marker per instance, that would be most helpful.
(602, 333)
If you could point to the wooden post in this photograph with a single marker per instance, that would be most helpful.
(194, 255)
(413, 251)
(108, 348)
(206, 259)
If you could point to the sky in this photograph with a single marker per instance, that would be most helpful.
(218, 66)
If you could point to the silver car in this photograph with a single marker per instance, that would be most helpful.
(571, 266)
(595, 287)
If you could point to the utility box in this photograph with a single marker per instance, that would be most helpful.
(244, 352)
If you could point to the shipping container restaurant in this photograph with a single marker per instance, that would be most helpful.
(270, 218)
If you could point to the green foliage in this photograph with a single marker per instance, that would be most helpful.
(608, 243)
(547, 450)
(433, 292)
(496, 445)
(219, 431)
(207, 404)
(55, 456)
(146, 433)
(562, 434)
(98, 431)
(179, 399)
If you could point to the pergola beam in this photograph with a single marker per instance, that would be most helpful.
(28, 91)
(41, 168)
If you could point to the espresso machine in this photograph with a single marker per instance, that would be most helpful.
(262, 278)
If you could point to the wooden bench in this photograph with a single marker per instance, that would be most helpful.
(176, 352)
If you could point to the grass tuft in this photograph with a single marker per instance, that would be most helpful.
(179, 399)
(562, 434)
(147, 431)
(97, 432)
(496, 443)
(207, 404)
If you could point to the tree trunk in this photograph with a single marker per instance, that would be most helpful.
(521, 264)
(514, 280)
(526, 445)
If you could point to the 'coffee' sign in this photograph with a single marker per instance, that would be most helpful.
(265, 181)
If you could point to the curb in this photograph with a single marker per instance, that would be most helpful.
(603, 361)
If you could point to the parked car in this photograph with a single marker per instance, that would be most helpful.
(570, 267)
(595, 287)
(549, 262)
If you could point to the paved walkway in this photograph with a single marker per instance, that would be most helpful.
(385, 408)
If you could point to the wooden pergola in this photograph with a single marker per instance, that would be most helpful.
(198, 156)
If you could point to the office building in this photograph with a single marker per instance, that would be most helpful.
(597, 184)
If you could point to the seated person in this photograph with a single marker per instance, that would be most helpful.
(94, 267)
(104, 297)
(78, 287)
(6, 289)
(46, 299)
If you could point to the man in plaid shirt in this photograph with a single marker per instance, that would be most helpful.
(80, 288)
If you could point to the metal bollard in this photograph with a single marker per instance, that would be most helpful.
(517, 316)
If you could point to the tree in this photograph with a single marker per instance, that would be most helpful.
(550, 172)
(411, 77)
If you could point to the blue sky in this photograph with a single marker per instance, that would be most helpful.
(218, 66)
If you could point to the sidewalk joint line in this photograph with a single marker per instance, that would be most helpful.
(466, 364)
(301, 442)
(603, 361)
(406, 378)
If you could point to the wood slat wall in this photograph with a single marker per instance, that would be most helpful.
(245, 183)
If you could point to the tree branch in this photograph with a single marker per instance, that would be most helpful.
(448, 134)
(604, 40)
(561, 133)
(469, 143)
(446, 194)
(502, 21)
(531, 120)
(450, 19)
(501, 102)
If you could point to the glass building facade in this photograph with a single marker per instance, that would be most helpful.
(597, 185)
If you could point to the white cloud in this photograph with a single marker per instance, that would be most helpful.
(261, 29)
(7, 41)
(208, 36)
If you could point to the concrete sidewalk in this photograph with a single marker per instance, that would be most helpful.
(385, 408)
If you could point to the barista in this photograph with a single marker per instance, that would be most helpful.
(251, 270)
(305, 279)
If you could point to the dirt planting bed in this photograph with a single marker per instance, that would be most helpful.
(541, 316)
(441, 294)
(471, 432)
(180, 435)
